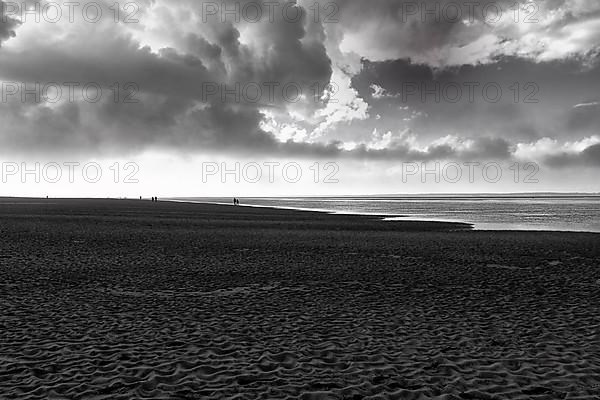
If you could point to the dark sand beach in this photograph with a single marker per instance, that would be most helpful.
(129, 299)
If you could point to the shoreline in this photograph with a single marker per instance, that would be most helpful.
(481, 226)
(322, 211)
(387, 218)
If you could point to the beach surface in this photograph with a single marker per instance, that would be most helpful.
(129, 299)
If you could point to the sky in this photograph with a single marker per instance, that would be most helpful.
(251, 98)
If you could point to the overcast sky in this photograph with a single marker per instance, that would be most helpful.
(369, 85)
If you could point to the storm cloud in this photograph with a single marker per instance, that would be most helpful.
(380, 80)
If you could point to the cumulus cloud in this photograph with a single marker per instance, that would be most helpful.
(446, 32)
(365, 80)
(556, 154)
(201, 91)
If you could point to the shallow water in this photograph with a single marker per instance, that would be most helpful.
(550, 212)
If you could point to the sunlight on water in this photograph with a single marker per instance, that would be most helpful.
(564, 213)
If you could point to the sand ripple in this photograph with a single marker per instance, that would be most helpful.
(308, 341)
(173, 302)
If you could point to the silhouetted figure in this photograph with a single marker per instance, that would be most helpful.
(234, 201)
(237, 201)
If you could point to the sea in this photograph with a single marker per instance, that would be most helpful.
(540, 212)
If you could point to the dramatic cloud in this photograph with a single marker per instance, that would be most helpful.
(382, 80)
(447, 32)
(585, 152)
